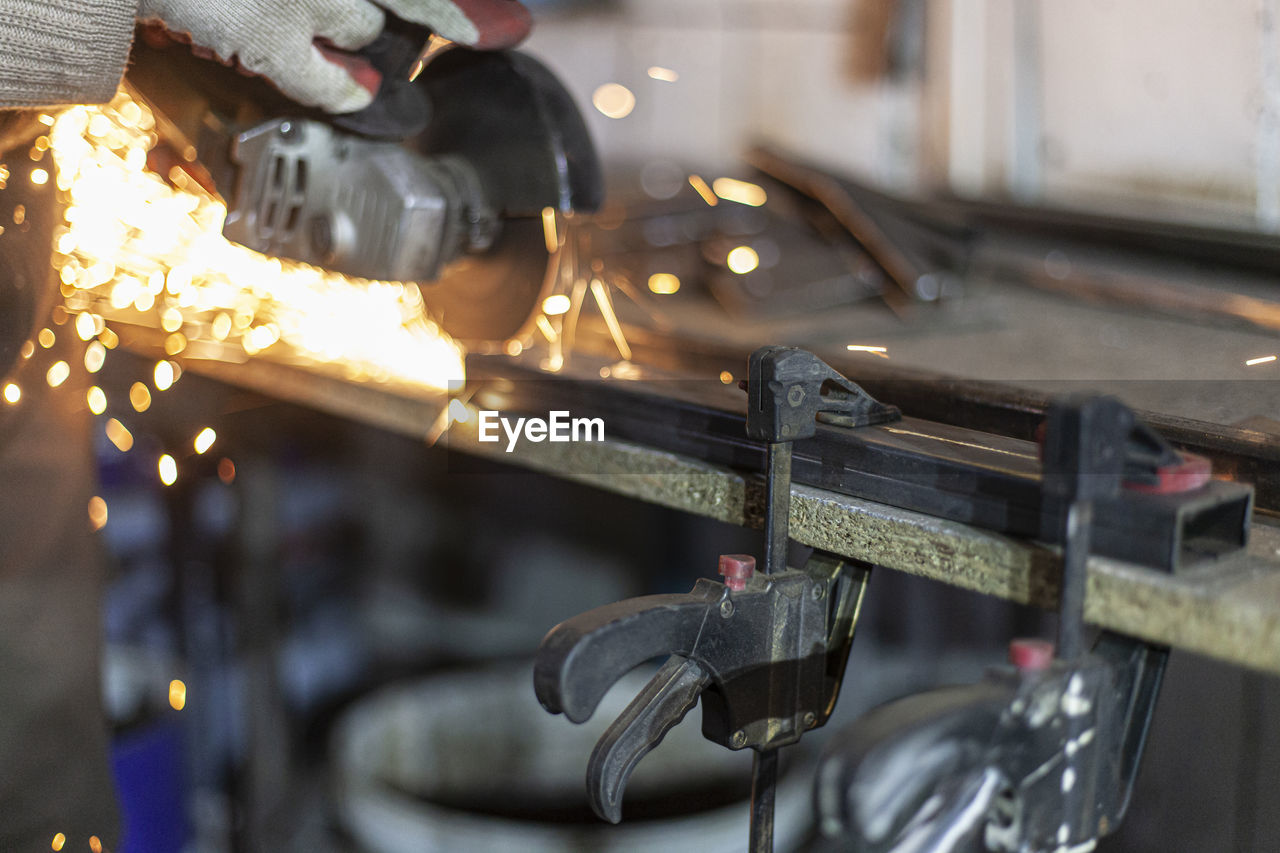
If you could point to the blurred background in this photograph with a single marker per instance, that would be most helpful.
(1167, 109)
(320, 628)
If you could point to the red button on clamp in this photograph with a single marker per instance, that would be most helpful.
(1031, 655)
(1190, 474)
(737, 568)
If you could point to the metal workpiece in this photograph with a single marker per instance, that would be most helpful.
(1025, 761)
(767, 662)
(1228, 608)
(947, 472)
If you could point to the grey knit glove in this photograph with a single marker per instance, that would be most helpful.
(288, 41)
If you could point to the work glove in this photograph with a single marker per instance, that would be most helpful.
(303, 46)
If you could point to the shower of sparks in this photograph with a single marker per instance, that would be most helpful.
(610, 317)
(168, 469)
(204, 440)
(96, 399)
(177, 695)
(740, 192)
(663, 75)
(95, 355)
(743, 260)
(555, 305)
(614, 100)
(139, 397)
(702, 188)
(664, 283)
(548, 331)
(1260, 360)
(134, 248)
(882, 352)
(97, 513)
(119, 435)
(549, 232)
(574, 276)
(58, 373)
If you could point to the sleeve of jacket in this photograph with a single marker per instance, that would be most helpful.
(63, 51)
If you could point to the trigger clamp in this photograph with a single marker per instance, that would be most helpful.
(767, 662)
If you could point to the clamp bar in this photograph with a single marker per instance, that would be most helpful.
(788, 391)
(947, 472)
(777, 512)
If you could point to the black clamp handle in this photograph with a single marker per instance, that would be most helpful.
(767, 661)
(1039, 757)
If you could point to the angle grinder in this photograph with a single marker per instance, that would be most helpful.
(441, 181)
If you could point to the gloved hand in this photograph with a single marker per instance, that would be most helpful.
(292, 42)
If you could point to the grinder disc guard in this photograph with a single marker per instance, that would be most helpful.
(513, 120)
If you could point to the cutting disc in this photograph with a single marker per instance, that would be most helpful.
(494, 296)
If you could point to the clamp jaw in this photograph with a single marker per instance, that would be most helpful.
(1027, 760)
(767, 659)
(785, 397)
(1043, 756)
(765, 652)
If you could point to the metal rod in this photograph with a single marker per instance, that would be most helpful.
(777, 532)
(1075, 557)
(764, 785)
(1076, 536)
(777, 513)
